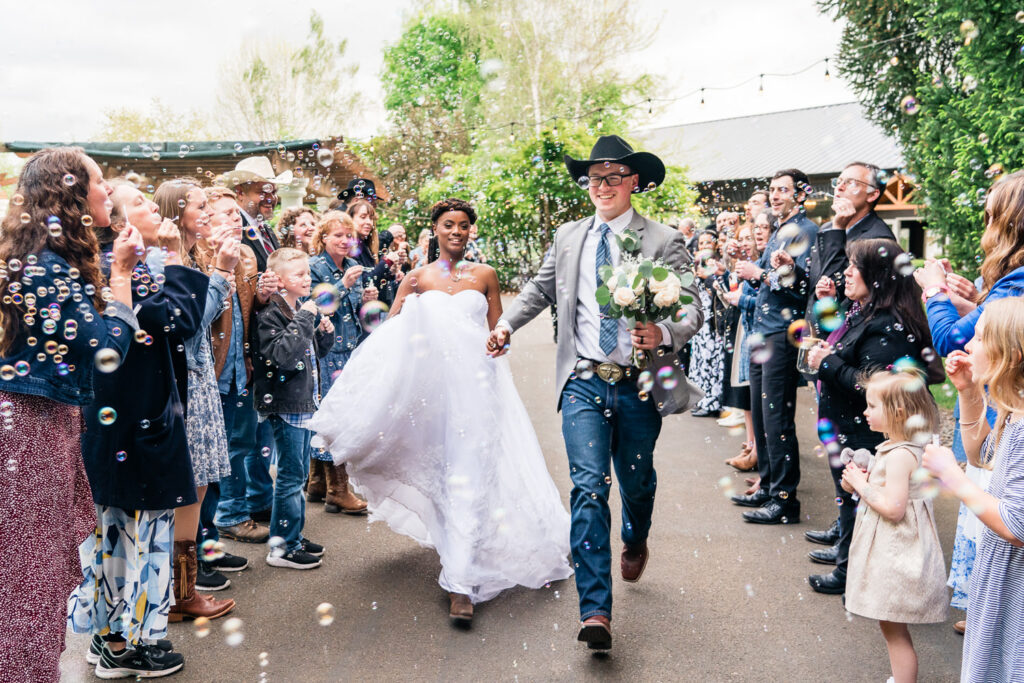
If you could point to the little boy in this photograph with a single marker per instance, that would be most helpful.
(289, 340)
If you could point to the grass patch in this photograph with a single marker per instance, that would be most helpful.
(945, 394)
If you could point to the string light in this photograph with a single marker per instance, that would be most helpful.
(702, 95)
(760, 85)
(827, 74)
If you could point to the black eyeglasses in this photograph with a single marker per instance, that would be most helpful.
(612, 180)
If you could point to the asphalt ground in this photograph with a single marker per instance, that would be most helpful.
(721, 600)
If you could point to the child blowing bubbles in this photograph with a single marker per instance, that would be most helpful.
(995, 620)
(896, 572)
(288, 344)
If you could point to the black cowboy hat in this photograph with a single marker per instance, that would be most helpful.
(359, 187)
(615, 150)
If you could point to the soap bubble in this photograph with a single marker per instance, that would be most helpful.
(667, 378)
(233, 635)
(106, 415)
(326, 297)
(325, 614)
(585, 369)
(372, 314)
(107, 360)
(909, 105)
(798, 332)
(202, 627)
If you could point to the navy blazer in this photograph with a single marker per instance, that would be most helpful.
(140, 460)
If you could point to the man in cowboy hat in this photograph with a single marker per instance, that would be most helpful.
(358, 188)
(606, 420)
(254, 182)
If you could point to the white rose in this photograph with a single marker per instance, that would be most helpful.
(666, 297)
(670, 282)
(624, 296)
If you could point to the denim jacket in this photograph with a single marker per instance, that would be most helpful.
(779, 302)
(348, 332)
(65, 315)
(197, 348)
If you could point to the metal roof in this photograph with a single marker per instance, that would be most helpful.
(181, 149)
(816, 140)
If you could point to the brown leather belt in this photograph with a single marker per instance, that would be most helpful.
(609, 372)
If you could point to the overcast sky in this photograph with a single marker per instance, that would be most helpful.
(62, 62)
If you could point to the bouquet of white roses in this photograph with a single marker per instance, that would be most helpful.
(642, 290)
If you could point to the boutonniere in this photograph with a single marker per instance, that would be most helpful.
(629, 242)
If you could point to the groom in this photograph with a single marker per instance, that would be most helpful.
(605, 419)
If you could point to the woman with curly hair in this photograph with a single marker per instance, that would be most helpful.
(60, 322)
(296, 228)
(460, 469)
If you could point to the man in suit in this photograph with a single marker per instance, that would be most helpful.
(857, 192)
(606, 421)
(255, 184)
(688, 228)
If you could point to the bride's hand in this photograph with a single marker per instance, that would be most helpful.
(497, 342)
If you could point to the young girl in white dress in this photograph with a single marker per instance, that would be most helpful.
(439, 442)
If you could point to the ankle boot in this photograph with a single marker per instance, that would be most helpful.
(460, 608)
(316, 487)
(744, 462)
(339, 497)
(188, 602)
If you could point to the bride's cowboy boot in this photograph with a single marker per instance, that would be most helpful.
(316, 487)
(339, 497)
(461, 609)
(188, 602)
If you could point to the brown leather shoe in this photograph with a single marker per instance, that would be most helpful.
(596, 632)
(339, 497)
(190, 603)
(246, 532)
(744, 462)
(960, 627)
(461, 609)
(633, 561)
(316, 487)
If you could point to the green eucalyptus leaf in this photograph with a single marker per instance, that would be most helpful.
(660, 273)
(603, 295)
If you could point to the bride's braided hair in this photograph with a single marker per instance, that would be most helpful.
(439, 209)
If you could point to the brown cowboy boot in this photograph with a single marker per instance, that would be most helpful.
(460, 608)
(339, 497)
(188, 602)
(316, 487)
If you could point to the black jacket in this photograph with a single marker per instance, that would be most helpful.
(828, 256)
(257, 245)
(283, 369)
(868, 345)
(140, 461)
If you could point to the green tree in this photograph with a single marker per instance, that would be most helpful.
(948, 83)
(161, 122)
(522, 191)
(280, 91)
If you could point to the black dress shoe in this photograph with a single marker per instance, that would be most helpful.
(828, 537)
(829, 584)
(754, 500)
(825, 555)
(774, 512)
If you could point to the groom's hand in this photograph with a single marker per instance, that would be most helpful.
(646, 336)
(497, 342)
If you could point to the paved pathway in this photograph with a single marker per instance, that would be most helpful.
(721, 600)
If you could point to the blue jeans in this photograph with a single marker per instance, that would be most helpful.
(288, 514)
(606, 425)
(249, 488)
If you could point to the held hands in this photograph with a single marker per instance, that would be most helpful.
(818, 353)
(128, 249)
(646, 336)
(351, 276)
(854, 478)
(826, 287)
(748, 270)
(844, 211)
(932, 274)
(960, 370)
(498, 342)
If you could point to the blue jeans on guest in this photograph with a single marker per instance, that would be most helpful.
(606, 425)
(249, 488)
(288, 515)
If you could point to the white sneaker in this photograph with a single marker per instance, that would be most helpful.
(734, 420)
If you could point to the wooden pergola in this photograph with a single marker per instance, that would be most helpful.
(327, 163)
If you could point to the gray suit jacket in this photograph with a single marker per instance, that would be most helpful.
(558, 281)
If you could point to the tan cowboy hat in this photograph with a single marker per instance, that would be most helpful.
(255, 170)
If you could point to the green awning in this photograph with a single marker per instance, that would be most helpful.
(206, 149)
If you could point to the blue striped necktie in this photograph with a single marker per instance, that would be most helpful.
(609, 338)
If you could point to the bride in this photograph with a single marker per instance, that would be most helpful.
(439, 443)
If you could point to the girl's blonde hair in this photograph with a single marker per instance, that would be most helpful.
(1003, 336)
(330, 220)
(904, 395)
(1003, 239)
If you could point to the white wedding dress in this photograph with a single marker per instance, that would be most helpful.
(436, 438)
